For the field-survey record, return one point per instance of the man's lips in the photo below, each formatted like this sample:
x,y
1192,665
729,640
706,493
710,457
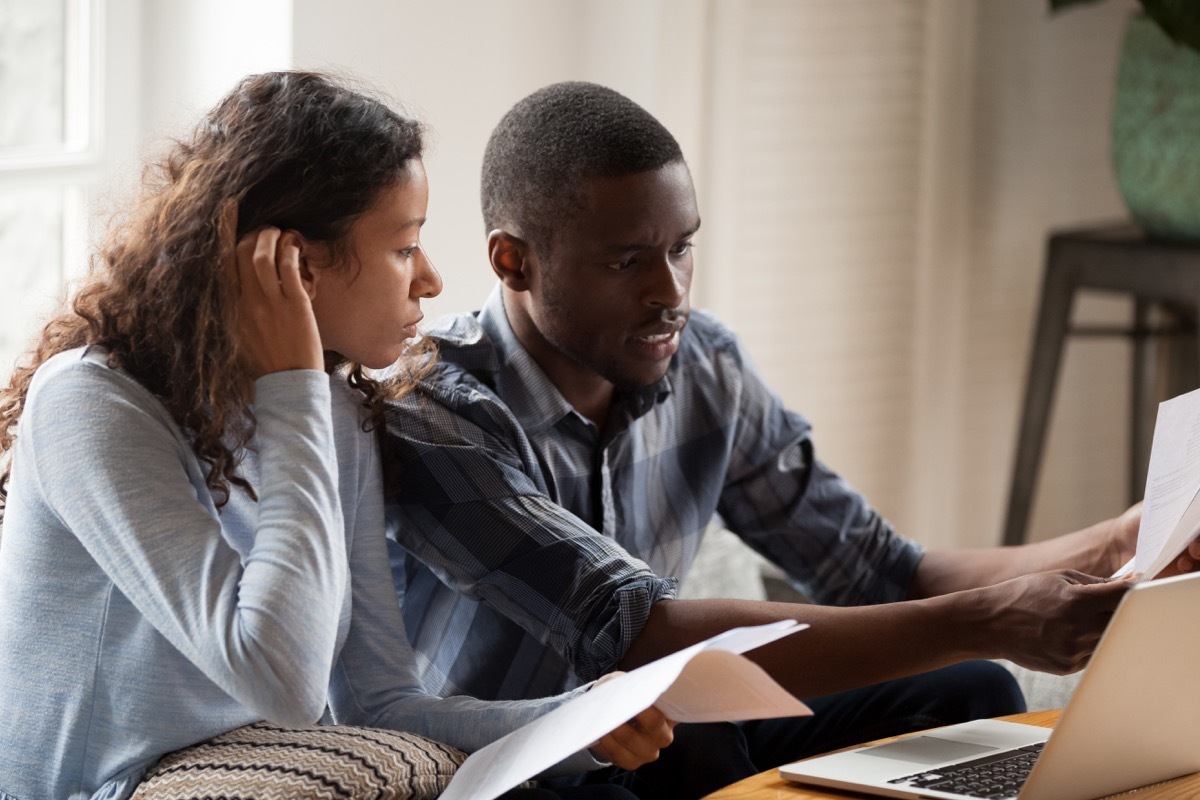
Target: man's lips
x,y
660,331
656,338
658,342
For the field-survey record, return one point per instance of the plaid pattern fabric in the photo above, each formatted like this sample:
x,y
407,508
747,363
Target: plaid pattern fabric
x,y
528,549
267,762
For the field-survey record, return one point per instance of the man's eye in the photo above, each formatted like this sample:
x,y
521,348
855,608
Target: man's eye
x,y
619,266
681,248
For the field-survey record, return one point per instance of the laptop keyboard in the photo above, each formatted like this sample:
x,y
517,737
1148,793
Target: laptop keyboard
x,y
996,776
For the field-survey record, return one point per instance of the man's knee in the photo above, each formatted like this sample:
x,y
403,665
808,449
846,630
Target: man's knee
x,y
703,758
977,689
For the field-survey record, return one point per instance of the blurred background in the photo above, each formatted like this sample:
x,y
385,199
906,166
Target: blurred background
x,y
877,180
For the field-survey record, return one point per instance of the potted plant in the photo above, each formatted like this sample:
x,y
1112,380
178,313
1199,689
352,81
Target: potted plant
x,y
1156,117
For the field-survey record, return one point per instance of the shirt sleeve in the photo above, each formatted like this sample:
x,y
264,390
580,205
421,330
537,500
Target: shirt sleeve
x,y
800,514
375,682
113,466
467,499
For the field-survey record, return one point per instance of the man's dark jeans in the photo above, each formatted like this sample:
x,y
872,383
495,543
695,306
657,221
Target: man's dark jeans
x,y
706,757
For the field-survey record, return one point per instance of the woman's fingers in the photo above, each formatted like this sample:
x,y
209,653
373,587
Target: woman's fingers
x,y
288,261
243,258
638,741
265,269
276,325
655,725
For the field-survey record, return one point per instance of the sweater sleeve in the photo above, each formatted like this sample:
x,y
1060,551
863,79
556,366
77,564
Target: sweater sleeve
x,y
375,680
113,466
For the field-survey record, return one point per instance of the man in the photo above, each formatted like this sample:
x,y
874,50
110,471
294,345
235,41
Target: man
x,y
557,469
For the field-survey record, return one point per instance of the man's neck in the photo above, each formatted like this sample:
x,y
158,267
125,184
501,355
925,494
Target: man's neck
x,y
595,409
587,392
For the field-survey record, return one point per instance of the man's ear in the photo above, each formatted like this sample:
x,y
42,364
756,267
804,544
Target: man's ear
x,y
510,257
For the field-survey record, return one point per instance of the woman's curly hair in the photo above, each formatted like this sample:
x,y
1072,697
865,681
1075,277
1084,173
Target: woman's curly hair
x,y
295,150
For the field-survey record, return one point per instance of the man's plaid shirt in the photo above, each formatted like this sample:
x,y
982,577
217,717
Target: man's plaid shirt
x,y
528,549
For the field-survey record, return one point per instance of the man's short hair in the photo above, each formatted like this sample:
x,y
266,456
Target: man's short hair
x,y
546,143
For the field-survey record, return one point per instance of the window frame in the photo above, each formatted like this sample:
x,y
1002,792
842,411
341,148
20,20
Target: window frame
x,y
83,102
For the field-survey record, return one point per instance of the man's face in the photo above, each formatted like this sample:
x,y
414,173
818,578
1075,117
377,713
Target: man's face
x,y
610,295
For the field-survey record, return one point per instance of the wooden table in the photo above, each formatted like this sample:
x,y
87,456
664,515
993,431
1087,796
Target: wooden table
x,y
769,786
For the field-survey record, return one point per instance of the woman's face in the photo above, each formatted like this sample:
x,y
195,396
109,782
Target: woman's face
x,y
366,310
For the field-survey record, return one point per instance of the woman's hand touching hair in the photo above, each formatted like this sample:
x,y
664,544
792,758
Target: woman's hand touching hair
x,y
276,329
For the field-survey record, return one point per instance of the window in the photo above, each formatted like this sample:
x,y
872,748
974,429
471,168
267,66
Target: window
x,y
49,149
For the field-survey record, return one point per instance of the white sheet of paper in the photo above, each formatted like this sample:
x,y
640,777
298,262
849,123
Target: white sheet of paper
x,y
707,682
1171,511
1184,531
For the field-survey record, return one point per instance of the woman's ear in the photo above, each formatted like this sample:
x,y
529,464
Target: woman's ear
x,y
308,254
511,259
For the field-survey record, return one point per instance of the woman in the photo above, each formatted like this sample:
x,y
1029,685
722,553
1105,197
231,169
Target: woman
x,y
192,512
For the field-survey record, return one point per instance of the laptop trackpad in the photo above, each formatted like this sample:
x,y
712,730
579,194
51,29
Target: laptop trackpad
x,y
927,750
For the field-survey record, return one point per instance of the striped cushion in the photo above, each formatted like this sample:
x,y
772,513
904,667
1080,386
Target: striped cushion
x,y
264,762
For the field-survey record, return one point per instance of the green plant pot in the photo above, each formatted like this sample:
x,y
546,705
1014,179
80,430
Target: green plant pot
x,y
1156,132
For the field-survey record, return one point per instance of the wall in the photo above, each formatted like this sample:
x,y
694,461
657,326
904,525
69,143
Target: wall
x,y
196,51
815,215
461,64
1040,160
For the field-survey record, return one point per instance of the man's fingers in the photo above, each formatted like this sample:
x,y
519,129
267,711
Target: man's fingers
x,y
1083,578
1105,594
1096,586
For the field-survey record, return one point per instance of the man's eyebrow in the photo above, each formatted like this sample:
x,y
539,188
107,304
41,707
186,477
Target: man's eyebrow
x,y
632,246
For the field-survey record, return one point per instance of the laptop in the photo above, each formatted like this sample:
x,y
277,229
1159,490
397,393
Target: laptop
x,y
1133,720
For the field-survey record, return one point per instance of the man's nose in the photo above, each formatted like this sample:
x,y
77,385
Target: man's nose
x,y
667,284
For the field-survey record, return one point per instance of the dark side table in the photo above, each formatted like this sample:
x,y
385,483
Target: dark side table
x,y
1157,275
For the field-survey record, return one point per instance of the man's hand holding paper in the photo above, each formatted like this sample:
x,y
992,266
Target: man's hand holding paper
x,y
1167,536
